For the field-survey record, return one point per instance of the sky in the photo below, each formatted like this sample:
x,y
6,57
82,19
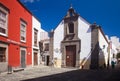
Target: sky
x,y
105,13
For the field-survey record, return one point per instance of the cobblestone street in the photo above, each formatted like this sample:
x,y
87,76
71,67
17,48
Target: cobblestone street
x,y
32,72
45,73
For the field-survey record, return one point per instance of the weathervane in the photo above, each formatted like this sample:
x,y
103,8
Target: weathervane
x,y
71,5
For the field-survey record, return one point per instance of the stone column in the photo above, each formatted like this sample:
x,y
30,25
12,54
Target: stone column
x,y
63,55
51,35
78,49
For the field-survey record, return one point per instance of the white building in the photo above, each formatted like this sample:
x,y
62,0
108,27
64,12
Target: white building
x,y
77,43
103,48
36,27
44,46
116,41
44,35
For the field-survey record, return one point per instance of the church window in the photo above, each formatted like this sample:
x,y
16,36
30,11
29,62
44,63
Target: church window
x,y
71,28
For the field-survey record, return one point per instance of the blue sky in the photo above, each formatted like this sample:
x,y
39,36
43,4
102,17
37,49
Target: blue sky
x,y
105,13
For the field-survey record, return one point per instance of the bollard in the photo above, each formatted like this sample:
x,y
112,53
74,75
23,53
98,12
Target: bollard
x,y
9,69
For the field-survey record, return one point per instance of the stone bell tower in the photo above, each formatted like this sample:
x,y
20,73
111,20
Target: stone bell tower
x,y
70,45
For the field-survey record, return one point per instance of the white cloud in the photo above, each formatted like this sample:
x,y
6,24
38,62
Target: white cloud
x,y
31,1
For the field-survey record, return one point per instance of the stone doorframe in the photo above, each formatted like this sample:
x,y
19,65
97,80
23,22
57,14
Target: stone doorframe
x,y
4,65
63,50
35,61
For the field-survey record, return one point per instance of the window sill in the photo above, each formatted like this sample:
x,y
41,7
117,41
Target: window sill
x,y
70,36
35,46
22,41
4,35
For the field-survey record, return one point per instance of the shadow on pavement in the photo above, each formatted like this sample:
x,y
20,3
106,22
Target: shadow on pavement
x,y
82,75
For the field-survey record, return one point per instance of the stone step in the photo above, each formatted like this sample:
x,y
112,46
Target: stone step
x,y
18,69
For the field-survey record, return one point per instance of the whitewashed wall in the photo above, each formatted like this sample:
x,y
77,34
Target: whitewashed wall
x,y
114,49
115,41
43,35
58,37
37,25
84,33
103,42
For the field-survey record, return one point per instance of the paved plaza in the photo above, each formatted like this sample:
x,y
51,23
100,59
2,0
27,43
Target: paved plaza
x,y
47,73
33,72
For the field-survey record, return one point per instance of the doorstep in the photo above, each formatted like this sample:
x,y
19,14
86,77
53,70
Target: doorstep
x,y
18,69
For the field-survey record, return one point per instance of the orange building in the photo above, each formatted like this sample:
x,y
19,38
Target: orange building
x,y
15,35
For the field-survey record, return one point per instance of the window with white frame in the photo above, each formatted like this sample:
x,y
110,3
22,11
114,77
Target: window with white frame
x,y
35,37
3,21
22,31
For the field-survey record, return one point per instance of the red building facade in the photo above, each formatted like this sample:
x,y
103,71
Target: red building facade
x,y
15,35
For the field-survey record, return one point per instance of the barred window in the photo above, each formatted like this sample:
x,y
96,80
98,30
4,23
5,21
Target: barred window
x,y
46,47
2,54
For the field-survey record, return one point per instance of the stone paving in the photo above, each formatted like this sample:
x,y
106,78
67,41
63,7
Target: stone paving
x,y
33,72
45,73
82,75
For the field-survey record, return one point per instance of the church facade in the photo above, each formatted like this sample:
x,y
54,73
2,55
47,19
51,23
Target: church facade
x,y
77,43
